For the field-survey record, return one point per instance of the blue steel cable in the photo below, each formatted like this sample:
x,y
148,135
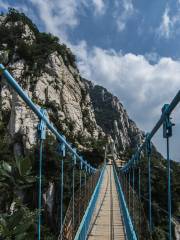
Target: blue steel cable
x,y
40,189
62,188
80,175
91,183
139,195
129,195
167,132
133,192
85,182
169,191
149,184
148,149
126,183
41,131
139,183
62,151
74,165
73,197
127,186
85,228
80,181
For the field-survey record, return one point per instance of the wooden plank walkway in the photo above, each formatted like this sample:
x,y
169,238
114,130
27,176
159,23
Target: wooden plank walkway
x,y
107,221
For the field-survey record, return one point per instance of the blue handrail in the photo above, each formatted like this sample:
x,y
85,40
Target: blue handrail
x,y
84,226
130,232
168,111
164,121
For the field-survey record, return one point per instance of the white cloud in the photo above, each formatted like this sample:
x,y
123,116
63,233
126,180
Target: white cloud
x,y
143,87
170,23
57,16
99,6
5,6
61,16
124,10
166,24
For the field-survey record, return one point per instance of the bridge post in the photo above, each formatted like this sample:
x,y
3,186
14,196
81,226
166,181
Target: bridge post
x,y
167,133
86,193
73,199
80,193
148,149
41,131
133,188
129,190
62,152
139,195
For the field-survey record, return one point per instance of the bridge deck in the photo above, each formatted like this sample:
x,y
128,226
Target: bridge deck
x,y
107,221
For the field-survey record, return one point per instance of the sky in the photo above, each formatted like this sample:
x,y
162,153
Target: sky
x,y
131,47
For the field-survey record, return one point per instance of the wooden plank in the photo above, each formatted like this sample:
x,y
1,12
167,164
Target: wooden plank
x,y
107,219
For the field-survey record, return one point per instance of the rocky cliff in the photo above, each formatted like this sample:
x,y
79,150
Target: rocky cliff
x,y
79,109
88,115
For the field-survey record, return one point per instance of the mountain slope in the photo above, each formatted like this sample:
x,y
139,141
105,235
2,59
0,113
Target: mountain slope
x,y
88,115
53,81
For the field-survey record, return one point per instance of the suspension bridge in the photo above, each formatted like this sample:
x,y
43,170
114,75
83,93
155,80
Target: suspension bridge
x,y
108,201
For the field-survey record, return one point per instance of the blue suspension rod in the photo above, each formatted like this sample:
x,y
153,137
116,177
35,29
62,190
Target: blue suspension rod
x,y
139,183
129,195
40,189
169,191
80,193
37,111
73,217
133,178
149,189
139,195
62,188
148,149
41,131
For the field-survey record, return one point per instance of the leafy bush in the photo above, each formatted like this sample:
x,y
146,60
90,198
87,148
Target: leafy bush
x,y
9,229
37,53
15,16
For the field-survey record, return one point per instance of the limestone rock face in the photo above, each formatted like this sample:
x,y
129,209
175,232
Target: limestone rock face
x,y
63,95
22,125
113,118
75,106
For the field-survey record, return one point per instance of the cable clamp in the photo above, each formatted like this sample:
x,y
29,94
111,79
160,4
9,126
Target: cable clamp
x,y
41,128
167,124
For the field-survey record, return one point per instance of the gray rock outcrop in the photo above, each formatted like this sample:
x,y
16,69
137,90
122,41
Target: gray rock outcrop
x,y
75,106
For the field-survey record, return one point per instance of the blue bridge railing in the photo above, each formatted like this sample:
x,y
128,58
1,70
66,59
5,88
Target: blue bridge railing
x,y
84,226
128,178
63,147
132,169
128,224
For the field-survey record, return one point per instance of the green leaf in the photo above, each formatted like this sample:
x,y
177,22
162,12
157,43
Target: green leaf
x,y
22,228
30,179
23,165
4,173
7,167
14,219
21,236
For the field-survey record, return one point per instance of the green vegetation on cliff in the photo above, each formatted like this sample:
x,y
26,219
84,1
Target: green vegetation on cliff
x,y
36,49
